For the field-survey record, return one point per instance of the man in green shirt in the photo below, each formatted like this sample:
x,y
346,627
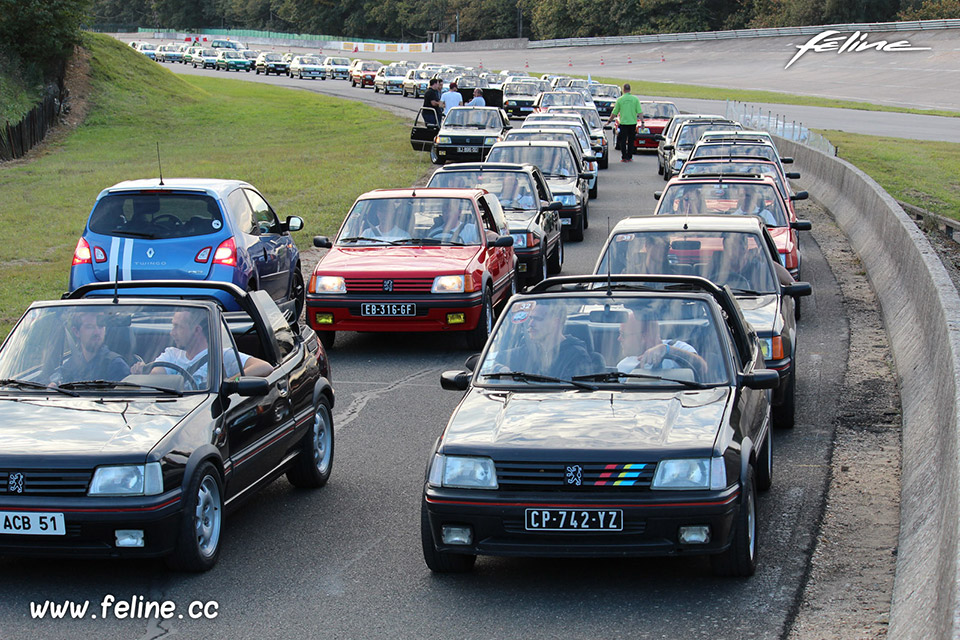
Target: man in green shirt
x,y
628,107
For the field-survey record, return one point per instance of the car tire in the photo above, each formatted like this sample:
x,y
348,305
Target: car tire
x,y
586,213
376,89
541,272
198,541
659,167
477,337
576,233
765,464
785,414
313,466
604,162
434,158
740,559
440,561
592,194
258,71
796,305
298,292
555,263
327,338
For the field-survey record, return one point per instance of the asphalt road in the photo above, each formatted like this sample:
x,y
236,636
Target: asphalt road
x,y
345,561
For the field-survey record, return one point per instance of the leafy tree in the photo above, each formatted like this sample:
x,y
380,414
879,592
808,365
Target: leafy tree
x,y
41,32
932,10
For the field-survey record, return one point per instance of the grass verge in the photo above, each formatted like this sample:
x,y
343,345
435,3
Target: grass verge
x,y
309,155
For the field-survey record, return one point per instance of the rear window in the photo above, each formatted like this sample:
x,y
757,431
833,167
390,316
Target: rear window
x,y
156,216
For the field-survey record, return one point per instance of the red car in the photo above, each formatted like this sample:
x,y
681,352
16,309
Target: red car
x,y
415,260
746,195
363,72
745,166
656,115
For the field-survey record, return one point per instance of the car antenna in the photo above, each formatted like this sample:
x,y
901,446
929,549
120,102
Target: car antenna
x,y
116,286
609,277
159,166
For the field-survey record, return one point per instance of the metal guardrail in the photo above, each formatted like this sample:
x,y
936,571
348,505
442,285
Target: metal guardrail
x,y
912,25
755,117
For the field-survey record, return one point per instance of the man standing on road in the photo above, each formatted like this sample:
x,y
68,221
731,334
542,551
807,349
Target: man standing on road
x,y
451,98
628,107
478,100
431,99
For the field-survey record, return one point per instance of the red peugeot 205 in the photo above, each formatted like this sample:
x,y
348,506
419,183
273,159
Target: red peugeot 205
x,y
415,260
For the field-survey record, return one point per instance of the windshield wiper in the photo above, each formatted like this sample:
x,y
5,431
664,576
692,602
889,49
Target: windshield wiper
x,y
747,292
614,376
136,234
111,384
28,384
366,239
522,376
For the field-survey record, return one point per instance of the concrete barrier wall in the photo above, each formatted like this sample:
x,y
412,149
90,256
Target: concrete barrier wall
x,y
481,45
921,311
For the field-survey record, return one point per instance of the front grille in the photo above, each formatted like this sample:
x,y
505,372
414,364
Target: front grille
x,y
45,482
467,140
560,476
398,285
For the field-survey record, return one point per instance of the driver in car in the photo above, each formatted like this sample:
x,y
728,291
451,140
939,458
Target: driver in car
x,y
643,348
189,353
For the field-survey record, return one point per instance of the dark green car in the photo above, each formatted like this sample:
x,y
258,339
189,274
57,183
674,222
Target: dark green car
x,y
230,60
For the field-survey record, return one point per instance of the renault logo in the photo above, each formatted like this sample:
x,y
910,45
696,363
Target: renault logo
x,y
15,483
150,252
388,285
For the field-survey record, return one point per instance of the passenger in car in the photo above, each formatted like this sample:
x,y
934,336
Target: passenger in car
x,y
548,351
91,359
390,222
690,201
455,225
653,257
643,349
750,203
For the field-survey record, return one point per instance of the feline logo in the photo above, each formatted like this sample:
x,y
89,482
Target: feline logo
x,y
856,42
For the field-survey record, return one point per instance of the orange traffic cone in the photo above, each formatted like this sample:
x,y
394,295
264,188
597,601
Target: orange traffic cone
x,y
629,61
569,62
526,64
601,61
662,59
481,64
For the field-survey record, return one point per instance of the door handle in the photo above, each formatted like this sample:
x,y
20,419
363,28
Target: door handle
x,y
283,389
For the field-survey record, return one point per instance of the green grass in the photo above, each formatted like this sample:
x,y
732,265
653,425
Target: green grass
x,y
17,96
309,155
922,173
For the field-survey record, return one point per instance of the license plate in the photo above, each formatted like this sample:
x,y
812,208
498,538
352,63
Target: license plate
x,y
468,149
32,524
574,520
566,220
388,309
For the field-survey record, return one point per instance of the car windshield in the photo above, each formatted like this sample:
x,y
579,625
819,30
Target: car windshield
x,y
273,57
700,167
395,71
690,132
521,88
605,340
146,46
309,60
231,54
537,134
733,258
724,197
156,216
659,109
553,161
589,114
417,221
582,137
472,117
605,91
736,149
561,98
515,189
100,348
209,53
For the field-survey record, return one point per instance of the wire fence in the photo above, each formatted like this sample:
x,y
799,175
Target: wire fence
x,y
756,117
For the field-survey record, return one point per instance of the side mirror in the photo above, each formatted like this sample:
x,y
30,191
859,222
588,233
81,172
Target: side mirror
x,y
589,158
322,242
793,175
472,361
607,127
552,206
247,386
797,289
294,223
657,195
596,147
502,241
455,380
668,147
658,137
786,160
800,195
585,176
761,379
801,225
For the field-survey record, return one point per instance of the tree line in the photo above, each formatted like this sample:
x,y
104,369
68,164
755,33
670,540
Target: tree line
x,y
413,20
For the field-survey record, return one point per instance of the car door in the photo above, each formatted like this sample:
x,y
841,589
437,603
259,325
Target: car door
x,y
500,259
549,218
272,252
425,128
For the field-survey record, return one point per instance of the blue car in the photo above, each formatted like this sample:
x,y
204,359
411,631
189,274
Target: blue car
x,y
190,229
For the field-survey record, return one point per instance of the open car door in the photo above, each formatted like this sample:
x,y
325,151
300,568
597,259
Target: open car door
x,y
425,128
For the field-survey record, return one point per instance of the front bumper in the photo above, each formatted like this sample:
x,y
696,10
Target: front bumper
x,y
651,521
312,73
91,524
569,216
784,369
519,109
462,153
432,312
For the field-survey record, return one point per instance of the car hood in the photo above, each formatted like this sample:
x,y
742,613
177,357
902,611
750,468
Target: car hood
x,y
525,425
81,427
763,312
520,219
387,259
563,185
470,131
783,238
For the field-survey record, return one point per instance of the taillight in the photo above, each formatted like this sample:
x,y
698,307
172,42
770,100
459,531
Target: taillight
x,y
226,253
81,255
203,255
99,254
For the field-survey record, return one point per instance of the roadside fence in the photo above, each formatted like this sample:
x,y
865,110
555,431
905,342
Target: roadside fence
x,y
755,117
17,139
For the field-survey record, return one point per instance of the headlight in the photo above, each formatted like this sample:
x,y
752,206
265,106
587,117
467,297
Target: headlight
x,y
127,480
463,472
772,348
447,284
328,284
509,103
519,240
695,473
443,140
489,142
566,199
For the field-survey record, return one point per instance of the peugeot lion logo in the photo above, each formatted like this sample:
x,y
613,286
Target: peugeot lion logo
x,y
15,483
150,252
388,285
574,474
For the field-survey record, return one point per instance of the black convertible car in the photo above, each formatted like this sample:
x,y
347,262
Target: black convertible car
x,y
607,416
130,421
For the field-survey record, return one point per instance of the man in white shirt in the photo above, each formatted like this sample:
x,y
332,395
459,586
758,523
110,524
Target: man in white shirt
x,y
478,100
451,99
640,335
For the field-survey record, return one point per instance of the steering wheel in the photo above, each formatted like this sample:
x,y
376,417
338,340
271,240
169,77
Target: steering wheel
x,y
187,376
164,216
683,359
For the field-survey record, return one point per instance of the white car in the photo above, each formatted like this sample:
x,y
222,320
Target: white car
x,y
336,67
307,67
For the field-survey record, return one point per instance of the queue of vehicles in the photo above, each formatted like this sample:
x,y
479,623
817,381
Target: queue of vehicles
x,y
626,413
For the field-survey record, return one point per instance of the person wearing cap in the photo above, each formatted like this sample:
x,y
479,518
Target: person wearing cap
x,y
451,99
478,100
629,110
